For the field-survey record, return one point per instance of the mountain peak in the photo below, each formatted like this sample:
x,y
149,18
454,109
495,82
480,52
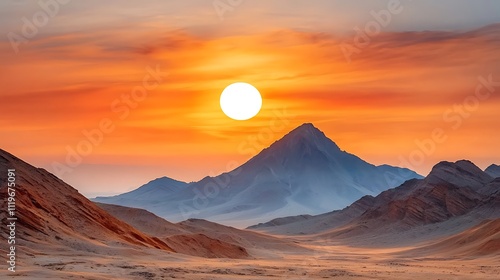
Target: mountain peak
x,y
306,129
493,170
307,126
460,173
461,164
309,135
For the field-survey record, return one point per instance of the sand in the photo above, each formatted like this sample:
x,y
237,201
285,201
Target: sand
x,y
323,262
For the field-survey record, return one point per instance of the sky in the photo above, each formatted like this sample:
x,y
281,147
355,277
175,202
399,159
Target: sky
x,y
109,95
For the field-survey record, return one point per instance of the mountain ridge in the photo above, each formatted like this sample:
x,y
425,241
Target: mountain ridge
x,y
471,196
73,219
304,172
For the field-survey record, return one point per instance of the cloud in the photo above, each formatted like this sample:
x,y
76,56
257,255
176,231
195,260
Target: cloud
x,y
396,88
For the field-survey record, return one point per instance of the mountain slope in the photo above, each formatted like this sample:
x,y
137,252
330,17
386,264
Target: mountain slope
x,y
53,213
202,230
302,173
143,220
480,240
451,193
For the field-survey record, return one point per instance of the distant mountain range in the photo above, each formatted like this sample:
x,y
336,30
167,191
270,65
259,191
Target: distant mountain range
x,y
303,173
455,210
452,198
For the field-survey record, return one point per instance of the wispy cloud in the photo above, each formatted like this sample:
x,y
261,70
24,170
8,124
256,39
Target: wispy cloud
x,y
397,88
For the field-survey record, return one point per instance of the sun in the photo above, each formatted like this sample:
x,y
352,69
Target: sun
x,y
240,101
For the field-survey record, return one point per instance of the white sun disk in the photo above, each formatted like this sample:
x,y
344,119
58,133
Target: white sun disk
x,y
240,101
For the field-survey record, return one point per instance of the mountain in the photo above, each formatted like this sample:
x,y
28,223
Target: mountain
x,y
303,173
51,213
493,170
453,197
155,191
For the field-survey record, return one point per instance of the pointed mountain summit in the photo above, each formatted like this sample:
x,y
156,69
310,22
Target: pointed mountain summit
x,y
304,142
302,173
307,134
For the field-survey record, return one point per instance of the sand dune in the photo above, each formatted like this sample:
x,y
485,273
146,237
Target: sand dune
x,y
151,224
144,220
181,240
204,246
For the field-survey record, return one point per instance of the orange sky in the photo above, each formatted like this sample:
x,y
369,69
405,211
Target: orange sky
x,y
396,91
